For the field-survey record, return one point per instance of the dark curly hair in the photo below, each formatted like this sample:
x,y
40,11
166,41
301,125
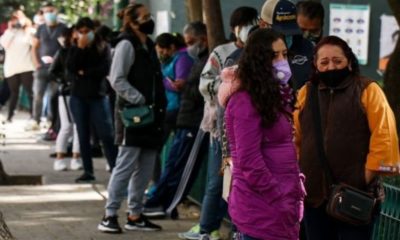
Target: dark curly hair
x,y
256,73
347,51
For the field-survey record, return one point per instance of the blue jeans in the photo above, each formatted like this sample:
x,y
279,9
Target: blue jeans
x,y
42,79
242,236
213,207
173,170
96,112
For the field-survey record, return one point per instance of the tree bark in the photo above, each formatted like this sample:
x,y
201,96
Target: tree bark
x,y
213,19
5,233
392,74
195,10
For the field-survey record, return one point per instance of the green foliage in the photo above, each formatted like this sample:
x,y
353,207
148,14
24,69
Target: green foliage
x,y
71,9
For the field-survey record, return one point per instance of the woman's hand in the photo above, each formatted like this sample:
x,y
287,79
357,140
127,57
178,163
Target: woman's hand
x,y
369,176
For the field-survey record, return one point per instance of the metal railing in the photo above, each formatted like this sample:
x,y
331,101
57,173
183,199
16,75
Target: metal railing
x,y
388,225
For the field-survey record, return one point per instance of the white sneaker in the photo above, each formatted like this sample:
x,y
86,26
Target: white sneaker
x,y
108,168
60,165
32,126
76,164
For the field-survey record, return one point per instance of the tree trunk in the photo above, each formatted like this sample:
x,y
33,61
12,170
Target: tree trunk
x,y
5,233
194,10
392,74
213,19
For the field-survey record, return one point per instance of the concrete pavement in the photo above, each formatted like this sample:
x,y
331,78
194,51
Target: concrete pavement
x,y
61,209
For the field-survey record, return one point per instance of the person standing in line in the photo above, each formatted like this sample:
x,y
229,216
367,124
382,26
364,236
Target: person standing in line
x,y
188,121
88,63
44,47
359,135
280,15
213,206
258,105
310,18
18,65
137,79
67,126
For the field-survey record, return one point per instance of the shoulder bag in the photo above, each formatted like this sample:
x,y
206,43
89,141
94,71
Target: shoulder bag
x,y
139,116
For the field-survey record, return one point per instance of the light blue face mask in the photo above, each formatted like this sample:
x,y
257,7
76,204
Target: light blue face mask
x,y
90,36
50,18
289,41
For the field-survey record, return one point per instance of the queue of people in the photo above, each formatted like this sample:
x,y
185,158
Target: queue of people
x,y
284,108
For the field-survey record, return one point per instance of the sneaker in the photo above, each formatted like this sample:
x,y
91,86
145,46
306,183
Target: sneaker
x,y
85,178
32,126
154,212
60,165
108,168
214,235
141,224
109,225
205,237
194,234
50,135
76,164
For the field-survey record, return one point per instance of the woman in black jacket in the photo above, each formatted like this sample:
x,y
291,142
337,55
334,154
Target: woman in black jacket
x,y
88,62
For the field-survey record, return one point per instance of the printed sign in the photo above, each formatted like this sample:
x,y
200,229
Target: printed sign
x,y
351,23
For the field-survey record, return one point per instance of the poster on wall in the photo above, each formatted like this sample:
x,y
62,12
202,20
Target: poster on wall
x,y
389,35
351,23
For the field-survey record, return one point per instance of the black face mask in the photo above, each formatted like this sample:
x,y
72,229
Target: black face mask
x,y
147,27
333,78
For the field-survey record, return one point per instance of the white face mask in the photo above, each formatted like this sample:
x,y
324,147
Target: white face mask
x,y
244,33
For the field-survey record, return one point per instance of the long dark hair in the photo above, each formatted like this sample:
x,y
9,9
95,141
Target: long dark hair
x,y
256,73
348,53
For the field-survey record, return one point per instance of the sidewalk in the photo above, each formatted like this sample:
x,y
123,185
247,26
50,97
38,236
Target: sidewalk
x,y
61,209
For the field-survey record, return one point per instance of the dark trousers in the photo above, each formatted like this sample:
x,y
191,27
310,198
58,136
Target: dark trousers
x,y
96,112
14,83
174,166
168,128
320,226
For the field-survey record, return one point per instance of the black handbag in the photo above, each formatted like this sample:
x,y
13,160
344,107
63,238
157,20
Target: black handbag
x,y
345,203
139,116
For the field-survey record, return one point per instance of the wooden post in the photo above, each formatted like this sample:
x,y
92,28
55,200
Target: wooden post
x,y
213,19
194,10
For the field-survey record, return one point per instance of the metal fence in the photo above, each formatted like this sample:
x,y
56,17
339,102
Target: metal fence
x,y
388,225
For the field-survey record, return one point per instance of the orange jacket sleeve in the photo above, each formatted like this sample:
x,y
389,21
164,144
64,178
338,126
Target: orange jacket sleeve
x,y
301,99
383,155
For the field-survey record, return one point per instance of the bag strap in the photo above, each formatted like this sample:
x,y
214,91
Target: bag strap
x,y
316,112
